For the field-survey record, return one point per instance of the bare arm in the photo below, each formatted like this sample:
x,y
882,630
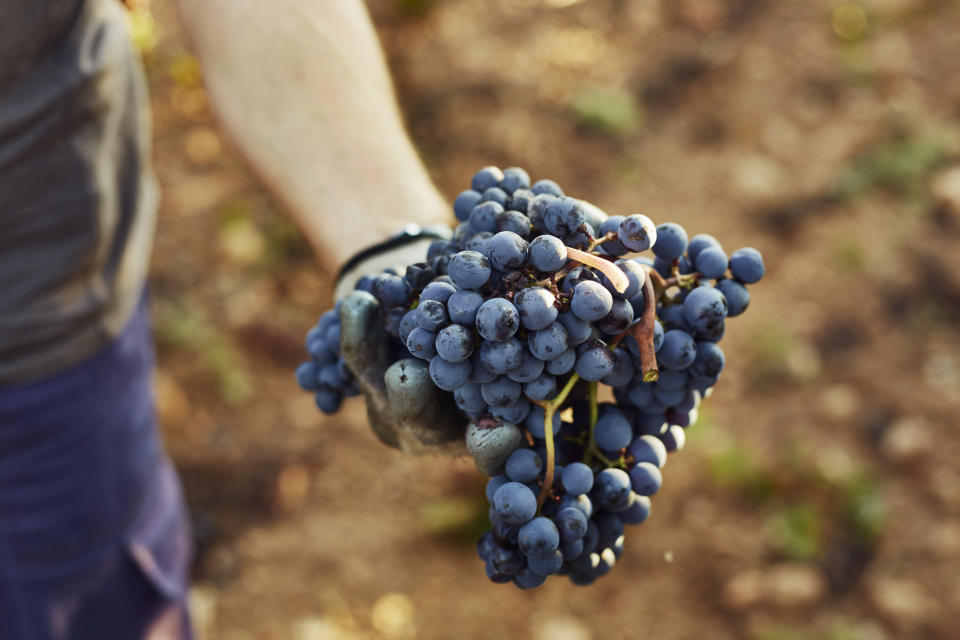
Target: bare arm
x,y
304,91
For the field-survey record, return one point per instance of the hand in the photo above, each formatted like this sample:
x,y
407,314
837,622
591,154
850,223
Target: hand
x,y
406,410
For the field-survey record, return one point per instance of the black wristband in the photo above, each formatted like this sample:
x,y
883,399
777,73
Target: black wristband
x,y
408,235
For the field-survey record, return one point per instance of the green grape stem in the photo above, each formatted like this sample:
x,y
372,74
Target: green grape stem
x,y
550,407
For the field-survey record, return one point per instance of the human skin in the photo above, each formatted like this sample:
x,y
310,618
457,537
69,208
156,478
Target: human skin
x,y
304,92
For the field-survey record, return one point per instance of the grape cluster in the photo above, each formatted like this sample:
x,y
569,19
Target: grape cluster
x,y
531,303
326,373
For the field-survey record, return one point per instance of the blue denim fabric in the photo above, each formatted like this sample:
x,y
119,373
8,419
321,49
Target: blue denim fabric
x,y
94,536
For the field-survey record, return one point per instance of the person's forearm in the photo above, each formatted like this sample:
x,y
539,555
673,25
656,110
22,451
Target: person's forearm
x,y
303,89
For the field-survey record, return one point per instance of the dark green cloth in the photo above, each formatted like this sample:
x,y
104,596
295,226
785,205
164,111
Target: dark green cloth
x,y
77,196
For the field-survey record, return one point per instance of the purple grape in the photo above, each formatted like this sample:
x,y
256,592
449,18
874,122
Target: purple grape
x,y
486,178
711,262
547,253
671,241
591,301
746,265
464,202
536,307
637,233
497,319
469,269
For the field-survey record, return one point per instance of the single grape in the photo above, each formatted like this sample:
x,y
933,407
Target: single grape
x,y
704,308
571,550
483,217
577,478
454,343
671,241
469,398
507,250
437,290
564,216
390,290
432,315
469,269
563,363
464,202
678,351
437,249
610,487
486,545
645,478
636,276
541,388
307,376
638,511
536,307
547,566
479,242
591,301
496,194
421,343
594,360
514,413
548,343
515,503
623,370
547,253
669,397
746,265
637,232
709,361
571,524
736,295
711,262
418,275
529,370
501,357
520,200
516,222
539,538
501,392
497,319
462,307
619,318
486,178
449,375
613,431
524,465
527,578
547,186
578,331
648,449
328,400
674,438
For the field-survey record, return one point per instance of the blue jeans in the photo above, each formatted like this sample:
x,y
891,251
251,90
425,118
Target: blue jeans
x,y
94,536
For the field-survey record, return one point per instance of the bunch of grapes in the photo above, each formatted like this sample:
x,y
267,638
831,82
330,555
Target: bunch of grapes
x,y
535,299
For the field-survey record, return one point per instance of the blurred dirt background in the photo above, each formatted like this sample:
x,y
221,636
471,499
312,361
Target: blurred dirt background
x,y
818,497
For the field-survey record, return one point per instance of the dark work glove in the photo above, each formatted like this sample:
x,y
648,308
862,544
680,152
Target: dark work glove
x,y
406,410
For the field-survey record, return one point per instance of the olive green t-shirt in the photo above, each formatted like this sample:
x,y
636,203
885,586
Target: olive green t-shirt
x,y
77,196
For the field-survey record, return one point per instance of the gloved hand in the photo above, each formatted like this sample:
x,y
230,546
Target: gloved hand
x,y
406,410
